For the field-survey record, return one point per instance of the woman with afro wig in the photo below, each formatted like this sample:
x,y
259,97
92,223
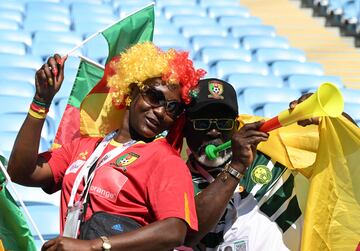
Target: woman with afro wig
x,y
128,190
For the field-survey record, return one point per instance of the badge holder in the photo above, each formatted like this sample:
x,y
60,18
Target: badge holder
x,y
73,219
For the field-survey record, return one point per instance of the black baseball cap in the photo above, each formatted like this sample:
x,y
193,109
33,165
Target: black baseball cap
x,y
213,91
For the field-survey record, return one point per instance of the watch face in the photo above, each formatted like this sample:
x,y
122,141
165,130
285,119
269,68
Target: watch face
x,y
106,246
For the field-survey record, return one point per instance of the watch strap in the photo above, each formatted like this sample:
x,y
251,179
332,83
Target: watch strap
x,y
232,171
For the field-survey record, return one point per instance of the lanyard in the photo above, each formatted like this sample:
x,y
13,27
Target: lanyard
x,y
84,172
204,173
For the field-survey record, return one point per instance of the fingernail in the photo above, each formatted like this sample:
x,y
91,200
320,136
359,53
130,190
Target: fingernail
x,y
55,71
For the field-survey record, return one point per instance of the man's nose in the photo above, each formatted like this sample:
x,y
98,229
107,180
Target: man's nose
x,y
213,132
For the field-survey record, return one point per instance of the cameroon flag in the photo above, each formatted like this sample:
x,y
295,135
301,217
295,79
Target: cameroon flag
x,y
138,27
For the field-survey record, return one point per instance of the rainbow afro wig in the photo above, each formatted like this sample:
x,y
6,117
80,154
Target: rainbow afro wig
x,y
144,61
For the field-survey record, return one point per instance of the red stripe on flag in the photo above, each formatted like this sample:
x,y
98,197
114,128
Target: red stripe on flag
x,y
69,126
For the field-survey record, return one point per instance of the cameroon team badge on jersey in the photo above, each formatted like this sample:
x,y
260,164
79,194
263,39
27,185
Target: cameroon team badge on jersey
x,y
216,89
261,174
126,159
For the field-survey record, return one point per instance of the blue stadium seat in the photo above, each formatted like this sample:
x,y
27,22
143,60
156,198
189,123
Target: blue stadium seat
x,y
12,5
46,49
11,15
16,88
249,30
62,37
171,41
287,68
305,83
17,73
269,55
171,11
59,110
211,55
16,36
48,16
22,61
14,104
65,89
256,97
271,110
103,19
166,29
256,42
37,25
126,10
200,64
85,29
244,109
84,9
47,7
139,3
351,95
229,21
165,3
35,194
72,62
195,30
219,11
353,109
97,48
182,20
242,81
199,42
6,24
227,67
16,48
83,1
209,3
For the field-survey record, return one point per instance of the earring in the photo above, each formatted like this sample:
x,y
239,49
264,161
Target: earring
x,y
127,101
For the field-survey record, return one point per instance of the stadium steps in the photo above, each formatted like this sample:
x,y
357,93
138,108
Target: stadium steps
x,y
321,44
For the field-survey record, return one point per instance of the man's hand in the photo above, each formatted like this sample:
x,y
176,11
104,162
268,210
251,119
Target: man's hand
x,y
305,122
244,143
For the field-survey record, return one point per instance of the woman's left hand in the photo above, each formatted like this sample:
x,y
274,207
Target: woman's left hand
x,y
70,244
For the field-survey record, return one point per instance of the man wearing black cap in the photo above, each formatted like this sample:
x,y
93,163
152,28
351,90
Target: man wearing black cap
x,y
232,188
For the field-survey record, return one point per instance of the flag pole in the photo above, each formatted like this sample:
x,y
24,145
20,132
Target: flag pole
x,y
103,29
7,176
91,62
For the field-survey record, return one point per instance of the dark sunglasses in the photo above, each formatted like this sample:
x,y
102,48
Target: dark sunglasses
x,y
205,124
156,98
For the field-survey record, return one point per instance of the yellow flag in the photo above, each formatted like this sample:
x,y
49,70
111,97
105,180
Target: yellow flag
x,y
332,217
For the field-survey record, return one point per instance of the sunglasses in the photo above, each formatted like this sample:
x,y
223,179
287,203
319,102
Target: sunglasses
x,y
205,124
156,98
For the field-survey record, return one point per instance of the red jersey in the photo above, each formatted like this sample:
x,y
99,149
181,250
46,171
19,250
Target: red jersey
x,y
147,182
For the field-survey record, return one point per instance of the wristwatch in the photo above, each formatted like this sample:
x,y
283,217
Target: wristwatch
x,y
233,172
106,243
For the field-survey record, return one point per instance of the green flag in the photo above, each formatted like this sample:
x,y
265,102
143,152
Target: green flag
x,y
138,27
14,231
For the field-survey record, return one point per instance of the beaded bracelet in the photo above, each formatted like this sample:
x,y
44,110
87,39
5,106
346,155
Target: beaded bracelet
x,y
38,109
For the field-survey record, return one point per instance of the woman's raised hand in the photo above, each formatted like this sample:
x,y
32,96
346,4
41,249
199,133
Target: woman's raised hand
x,y
48,79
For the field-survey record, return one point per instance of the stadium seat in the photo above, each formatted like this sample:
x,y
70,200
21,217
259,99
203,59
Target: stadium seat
x,y
72,62
11,15
209,3
86,29
244,109
17,73
166,29
37,25
17,88
202,41
84,9
139,3
224,68
269,55
271,110
195,30
229,21
256,97
6,24
82,1
287,68
46,49
351,95
62,37
171,41
249,30
171,11
22,61
97,48
16,48
182,20
126,10
256,42
16,36
242,81
353,109
165,3
200,64
48,16
305,83
12,5
211,55
47,7
219,11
